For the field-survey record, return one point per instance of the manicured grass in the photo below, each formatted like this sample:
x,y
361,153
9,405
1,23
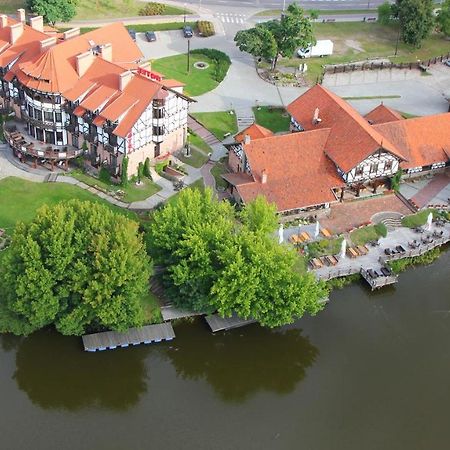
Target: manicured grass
x,y
217,170
198,81
99,9
20,199
150,305
367,234
197,158
324,247
325,12
133,193
11,6
219,123
418,219
274,119
357,41
198,142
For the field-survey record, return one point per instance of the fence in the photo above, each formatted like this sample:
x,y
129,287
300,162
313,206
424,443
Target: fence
x,y
381,65
335,273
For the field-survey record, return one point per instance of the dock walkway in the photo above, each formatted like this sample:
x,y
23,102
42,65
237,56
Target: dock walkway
x,y
170,312
110,340
217,323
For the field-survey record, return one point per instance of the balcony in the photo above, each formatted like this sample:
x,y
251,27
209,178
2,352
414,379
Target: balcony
x,y
40,123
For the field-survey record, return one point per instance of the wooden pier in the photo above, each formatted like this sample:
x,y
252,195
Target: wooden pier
x,y
170,312
217,323
109,340
378,279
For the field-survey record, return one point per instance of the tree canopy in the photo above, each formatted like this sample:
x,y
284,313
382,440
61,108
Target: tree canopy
x,y
53,10
76,266
385,13
443,18
280,37
415,18
217,263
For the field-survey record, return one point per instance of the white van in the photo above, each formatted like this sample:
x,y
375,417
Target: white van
x,y
322,48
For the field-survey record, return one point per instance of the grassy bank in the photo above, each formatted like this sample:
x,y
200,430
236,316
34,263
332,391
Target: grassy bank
x,y
272,118
197,158
20,199
218,123
400,265
367,234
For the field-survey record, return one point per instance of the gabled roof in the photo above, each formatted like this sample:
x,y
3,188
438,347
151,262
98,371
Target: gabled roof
x,y
352,139
423,140
382,114
298,172
254,131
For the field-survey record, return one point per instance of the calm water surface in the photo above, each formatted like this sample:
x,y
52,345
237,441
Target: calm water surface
x,y
370,372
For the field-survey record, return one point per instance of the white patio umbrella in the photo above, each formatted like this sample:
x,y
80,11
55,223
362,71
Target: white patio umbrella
x,y
317,230
280,234
343,249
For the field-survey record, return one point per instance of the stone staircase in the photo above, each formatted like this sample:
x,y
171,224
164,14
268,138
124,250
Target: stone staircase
x,y
245,117
392,220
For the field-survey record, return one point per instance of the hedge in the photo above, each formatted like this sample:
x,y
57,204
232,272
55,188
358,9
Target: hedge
x,y
222,61
206,28
152,9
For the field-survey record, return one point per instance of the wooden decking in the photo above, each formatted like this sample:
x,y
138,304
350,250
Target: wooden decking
x,y
110,340
377,279
170,312
217,323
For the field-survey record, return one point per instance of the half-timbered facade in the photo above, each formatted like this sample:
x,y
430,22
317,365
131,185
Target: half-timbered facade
x,y
89,92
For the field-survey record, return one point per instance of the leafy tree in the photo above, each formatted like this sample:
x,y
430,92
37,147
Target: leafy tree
x,y
124,172
416,20
76,266
443,18
313,14
260,216
281,37
385,13
146,170
215,263
53,10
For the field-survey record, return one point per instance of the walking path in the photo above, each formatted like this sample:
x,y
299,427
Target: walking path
x,y
430,191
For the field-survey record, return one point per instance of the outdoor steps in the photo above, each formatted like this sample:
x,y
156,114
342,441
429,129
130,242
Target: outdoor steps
x,y
201,131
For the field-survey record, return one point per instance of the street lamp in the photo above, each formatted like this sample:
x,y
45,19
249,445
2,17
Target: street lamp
x,y
284,5
185,13
188,56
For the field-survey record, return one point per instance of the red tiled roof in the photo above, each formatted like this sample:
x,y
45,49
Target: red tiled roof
x,y
99,121
352,139
98,97
423,140
79,111
298,172
117,107
382,114
254,131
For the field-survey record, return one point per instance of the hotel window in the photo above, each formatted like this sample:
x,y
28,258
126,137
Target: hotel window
x,y
59,136
30,111
48,116
359,171
58,117
374,168
38,114
388,165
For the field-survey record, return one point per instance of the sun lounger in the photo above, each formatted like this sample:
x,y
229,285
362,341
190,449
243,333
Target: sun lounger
x,y
325,232
400,249
362,250
385,271
352,252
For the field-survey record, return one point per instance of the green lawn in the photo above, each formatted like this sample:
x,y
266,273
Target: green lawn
x,y
217,170
99,9
133,193
324,247
272,118
150,305
198,142
367,234
357,41
418,219
21,199
198,81
219,123
197,158
11,6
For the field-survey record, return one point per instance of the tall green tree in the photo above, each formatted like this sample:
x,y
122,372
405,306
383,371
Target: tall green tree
x,y
416,20
443,18
385,13
216,262
281,37
53,10
77,265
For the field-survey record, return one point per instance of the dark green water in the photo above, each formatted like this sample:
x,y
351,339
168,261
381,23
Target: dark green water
x,y
370,372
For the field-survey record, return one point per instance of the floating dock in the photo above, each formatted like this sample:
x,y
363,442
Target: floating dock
x,y
217,323
109,340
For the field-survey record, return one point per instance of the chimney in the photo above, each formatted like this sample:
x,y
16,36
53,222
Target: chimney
x,y
37,23
264,176
106,52
47,43
71,33
84,61
3,21
316,118
124,79
15,32
21,15
247,139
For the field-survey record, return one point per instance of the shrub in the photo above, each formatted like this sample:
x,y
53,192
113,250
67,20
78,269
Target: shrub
x,y
152,9
160,166
206,28
395,180
140,172
221,60
124,173
146,171
104,175
381,229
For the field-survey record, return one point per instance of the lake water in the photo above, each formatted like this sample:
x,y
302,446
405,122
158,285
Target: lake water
x,y
372,371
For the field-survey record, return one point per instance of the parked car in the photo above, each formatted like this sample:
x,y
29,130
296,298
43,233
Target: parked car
x,y
187,31
447,63
132,34
150,36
